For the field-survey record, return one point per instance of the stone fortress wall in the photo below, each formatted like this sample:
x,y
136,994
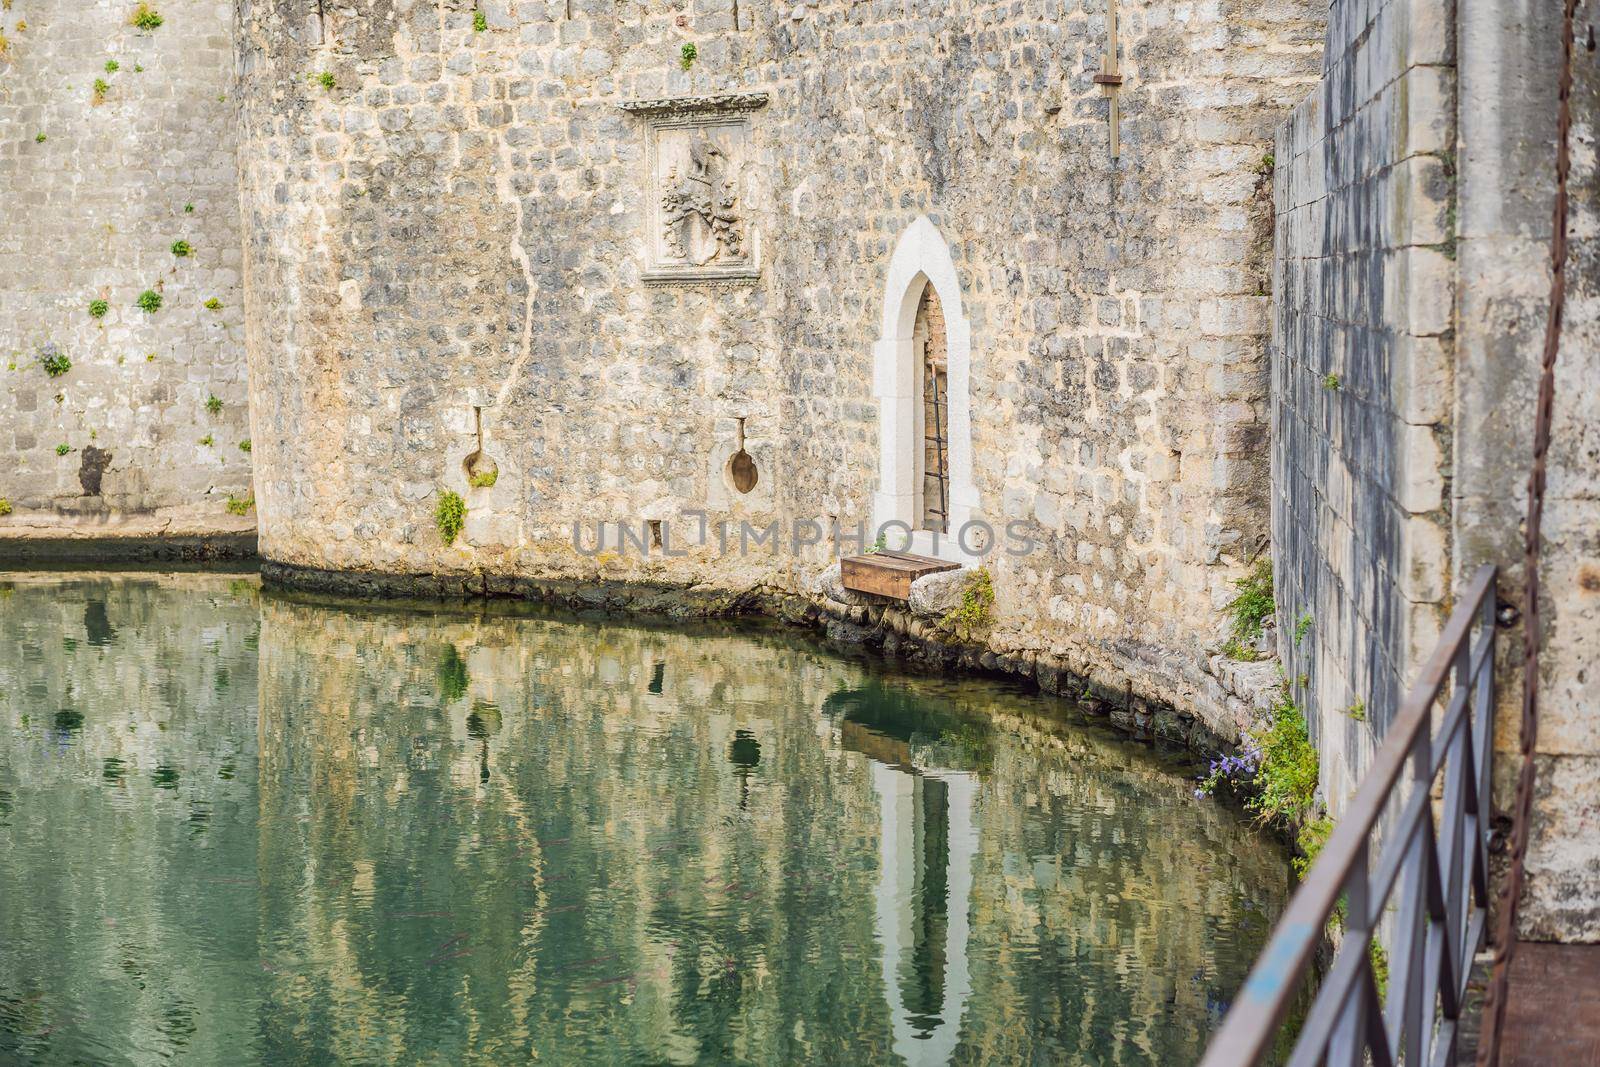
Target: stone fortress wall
x,y
98,187
458,255
1362,333
591,251
1414,193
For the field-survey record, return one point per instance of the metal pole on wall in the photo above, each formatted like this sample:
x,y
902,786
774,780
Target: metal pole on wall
x,y
1494,1012
1111,78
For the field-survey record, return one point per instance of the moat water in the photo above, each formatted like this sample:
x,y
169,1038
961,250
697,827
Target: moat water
x,y
240,828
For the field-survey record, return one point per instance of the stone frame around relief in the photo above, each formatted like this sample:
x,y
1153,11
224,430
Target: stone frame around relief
x,y
705,221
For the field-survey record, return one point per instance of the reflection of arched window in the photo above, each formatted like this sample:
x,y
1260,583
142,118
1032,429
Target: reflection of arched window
x,y
927,843
921,371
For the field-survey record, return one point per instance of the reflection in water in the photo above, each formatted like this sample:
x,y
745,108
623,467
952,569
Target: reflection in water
x,y
926,844
246,829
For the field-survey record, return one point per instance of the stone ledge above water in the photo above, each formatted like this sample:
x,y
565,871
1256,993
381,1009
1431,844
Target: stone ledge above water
x,y
915,633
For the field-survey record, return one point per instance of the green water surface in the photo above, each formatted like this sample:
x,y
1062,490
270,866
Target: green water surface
x,y
238,828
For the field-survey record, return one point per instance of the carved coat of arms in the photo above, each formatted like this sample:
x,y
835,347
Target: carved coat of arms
x,y
700,227
700,207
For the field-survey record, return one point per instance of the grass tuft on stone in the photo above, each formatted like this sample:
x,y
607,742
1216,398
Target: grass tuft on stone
x,y
53,360
145,17
977,604
1249,610
450,515
149,302
98,309
240,505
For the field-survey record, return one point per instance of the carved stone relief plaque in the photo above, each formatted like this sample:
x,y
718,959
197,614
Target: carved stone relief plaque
x,y
699,224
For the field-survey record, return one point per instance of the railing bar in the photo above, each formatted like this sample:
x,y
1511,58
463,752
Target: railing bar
x,y
1349,1034
1247,1031
1444,1053
1451,816
1337,987
1450,973
1451,867
1482,649
1430,974
1435,890
1431,678
1407,826
1480,865
1405,1011
1475,928
1377,1041
1455,714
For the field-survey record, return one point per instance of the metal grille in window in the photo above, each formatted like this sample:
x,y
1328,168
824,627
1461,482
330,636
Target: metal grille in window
x,y
936,507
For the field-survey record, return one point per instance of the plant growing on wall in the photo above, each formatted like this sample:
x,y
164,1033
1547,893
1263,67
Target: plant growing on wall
x,y
977,602
1302,628
1330,381
484,479
145,17
149,301
325,79
1249,611
687,55
244,446
213,304
213,404
112,66
480,21
450,515
53,360
101,88
40,137
5,506
182,249
1277,768
238,506
208,440
98,309
63,448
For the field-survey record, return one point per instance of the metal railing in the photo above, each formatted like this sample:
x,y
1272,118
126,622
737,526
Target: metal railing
x,y
1434,860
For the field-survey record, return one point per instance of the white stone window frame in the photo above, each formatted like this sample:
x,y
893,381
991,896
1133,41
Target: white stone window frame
x,y
921,257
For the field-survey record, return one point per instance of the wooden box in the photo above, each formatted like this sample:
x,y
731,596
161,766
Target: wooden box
x,y
889,574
